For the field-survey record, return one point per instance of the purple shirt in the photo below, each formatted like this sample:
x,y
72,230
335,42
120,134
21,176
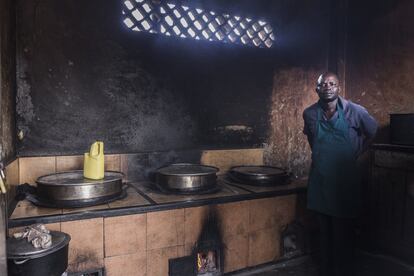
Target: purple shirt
x,y
362,126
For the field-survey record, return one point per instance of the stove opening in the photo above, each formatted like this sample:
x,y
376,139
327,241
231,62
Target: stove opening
x,y
207,252
293,240
206,257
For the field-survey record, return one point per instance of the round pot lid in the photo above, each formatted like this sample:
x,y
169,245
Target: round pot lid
x,y
76,178
21,248
258,170
185,169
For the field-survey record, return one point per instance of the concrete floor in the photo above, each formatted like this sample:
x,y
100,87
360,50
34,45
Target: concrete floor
x,y
367,265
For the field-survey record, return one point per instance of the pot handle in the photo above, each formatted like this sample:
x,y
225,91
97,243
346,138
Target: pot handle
x,y
20,262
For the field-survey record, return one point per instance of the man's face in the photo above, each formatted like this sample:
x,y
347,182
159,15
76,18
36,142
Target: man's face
x,y
327,88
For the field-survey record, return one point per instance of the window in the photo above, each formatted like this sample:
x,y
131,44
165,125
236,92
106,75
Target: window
x,y
186,22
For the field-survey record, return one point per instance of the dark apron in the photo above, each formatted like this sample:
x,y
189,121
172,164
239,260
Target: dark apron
x,y
334,183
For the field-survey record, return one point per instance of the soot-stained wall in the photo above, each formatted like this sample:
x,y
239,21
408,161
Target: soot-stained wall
x,y
7,81
380,58
82,75
305,55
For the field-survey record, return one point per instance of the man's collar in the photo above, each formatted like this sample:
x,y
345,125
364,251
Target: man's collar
x,y
343,103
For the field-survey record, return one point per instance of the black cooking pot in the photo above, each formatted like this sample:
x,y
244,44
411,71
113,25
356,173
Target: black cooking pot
x,y
259,175
24,259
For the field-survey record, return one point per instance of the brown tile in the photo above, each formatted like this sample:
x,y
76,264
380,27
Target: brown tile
x,y
271,212
180,226
49,226
69,163
126,265
234,218
25,209
263,213
132,199
112,162
54,226
83,209
32,167
165,229
182,251
125,235
287,209
264,246
12,173
236,252
12,179
157,260
193,223
86,245
225,159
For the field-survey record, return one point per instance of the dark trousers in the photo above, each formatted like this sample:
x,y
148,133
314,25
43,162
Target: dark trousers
x,y
336,246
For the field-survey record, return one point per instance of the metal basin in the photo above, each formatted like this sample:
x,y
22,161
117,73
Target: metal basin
x,y
70,187
185,177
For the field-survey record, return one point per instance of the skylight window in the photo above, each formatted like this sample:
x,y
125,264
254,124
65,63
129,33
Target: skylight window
x,y
195,23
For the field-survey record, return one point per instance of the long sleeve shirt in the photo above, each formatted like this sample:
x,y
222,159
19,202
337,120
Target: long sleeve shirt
x,y
362,126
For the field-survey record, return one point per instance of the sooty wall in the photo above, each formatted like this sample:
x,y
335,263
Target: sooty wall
x,y
380,58
7,81
306,52
83,75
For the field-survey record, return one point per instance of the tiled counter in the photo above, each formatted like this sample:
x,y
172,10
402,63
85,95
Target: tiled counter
x,y
138,234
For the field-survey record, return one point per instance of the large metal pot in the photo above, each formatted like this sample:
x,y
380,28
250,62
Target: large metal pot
x,y
24,259
402,129
186,178
67,189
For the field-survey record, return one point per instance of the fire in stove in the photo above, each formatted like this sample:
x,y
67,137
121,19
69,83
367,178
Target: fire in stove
x,y
206,262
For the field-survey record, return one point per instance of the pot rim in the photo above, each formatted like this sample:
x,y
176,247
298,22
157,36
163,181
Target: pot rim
x,y
213,171
87,182
282,172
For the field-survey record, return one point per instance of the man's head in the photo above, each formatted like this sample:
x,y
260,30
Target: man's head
x,y
327,87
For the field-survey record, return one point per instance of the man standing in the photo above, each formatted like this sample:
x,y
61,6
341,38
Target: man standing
x,y
338,132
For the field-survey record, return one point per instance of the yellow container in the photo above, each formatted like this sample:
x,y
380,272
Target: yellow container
x,y
94,163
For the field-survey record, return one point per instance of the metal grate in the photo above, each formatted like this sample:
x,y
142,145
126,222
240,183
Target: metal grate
x,y
186,22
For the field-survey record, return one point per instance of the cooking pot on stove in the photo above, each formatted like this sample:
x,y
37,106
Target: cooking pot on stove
x,y
185,177
24,259
71,189
259,175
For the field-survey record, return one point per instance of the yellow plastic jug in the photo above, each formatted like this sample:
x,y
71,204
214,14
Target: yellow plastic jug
x,y
94,163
